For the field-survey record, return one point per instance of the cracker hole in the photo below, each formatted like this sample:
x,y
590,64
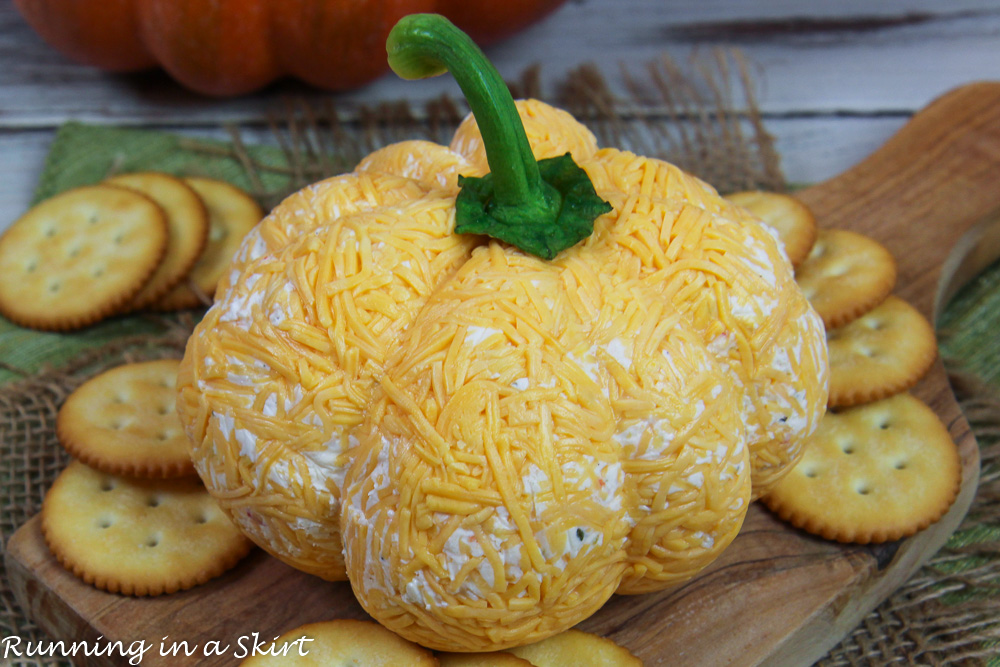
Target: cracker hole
x,y
55,287
31,265
50,232
119,238
901,464
107,485
153,501
152,541
201,518
92,219
104,522
863,489
97,272
884,424
875,325
163,436
810,472
163,410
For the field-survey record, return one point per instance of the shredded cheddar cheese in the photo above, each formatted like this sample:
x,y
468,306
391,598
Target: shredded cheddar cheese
x,y
551,131
489,445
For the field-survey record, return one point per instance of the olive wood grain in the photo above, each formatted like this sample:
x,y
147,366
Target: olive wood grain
x,y
777,596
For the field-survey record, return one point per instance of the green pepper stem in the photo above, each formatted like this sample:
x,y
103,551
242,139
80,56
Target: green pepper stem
x,y
425,45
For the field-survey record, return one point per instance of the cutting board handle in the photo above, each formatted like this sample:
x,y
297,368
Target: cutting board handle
x,y
924,191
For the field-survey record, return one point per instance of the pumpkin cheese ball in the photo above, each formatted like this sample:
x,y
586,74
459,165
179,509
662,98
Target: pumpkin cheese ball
x,y
490,437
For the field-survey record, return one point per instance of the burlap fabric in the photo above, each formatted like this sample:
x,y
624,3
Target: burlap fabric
x,y
702,117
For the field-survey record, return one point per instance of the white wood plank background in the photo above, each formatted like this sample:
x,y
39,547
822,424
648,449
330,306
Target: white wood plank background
x,y
834,79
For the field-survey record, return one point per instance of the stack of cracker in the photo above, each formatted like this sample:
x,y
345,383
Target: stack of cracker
x,y
139,241
881,465
129,515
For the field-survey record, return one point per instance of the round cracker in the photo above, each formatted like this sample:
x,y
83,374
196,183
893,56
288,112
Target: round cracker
x,y
231,214
885,351
873,473
187,222
845,275
124,421
138,537
79,256
790,218
342,642
575,647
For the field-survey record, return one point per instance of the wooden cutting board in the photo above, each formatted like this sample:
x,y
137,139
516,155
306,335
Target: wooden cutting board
x,y
777,596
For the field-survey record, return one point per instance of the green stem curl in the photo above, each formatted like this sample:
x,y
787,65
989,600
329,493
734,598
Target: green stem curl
x,y
426,45
542,207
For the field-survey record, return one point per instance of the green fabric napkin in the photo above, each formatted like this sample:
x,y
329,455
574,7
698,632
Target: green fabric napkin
x,y
84,154
969,324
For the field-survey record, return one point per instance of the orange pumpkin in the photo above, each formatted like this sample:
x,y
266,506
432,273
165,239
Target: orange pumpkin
x,y
231,47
